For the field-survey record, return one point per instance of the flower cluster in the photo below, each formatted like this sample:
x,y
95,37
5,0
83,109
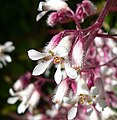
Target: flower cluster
x,y
85,63
6,48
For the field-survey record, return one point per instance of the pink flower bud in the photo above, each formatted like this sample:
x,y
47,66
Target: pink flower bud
x,y
77,53
90,8
22,82
85,9
52,19
54,42
61,92
81,13
58,17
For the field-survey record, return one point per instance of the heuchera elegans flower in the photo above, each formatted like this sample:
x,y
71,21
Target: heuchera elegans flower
x,y
6,48
51,5
58,56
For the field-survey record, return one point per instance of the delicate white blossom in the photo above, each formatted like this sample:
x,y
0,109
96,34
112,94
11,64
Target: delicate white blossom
x,y
6,48
58,56
51,5
23,95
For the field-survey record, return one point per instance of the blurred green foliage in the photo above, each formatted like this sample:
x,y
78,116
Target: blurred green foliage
x,y
18,24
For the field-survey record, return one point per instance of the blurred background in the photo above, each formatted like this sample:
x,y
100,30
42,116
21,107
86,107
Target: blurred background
x,y
18,24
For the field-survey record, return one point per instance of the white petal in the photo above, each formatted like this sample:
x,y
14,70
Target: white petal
x,y
72,73
11,92
35,55
99,84
8,46
55,5
40,68
95,115
61,51
82,87
89,110
72,113
12,100
108,112
94,91
66,100
100,104
40,15
58,75
37,117
40,7
57,106
8,58
22,107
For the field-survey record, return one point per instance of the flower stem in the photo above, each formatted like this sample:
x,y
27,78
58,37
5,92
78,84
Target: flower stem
x,y
104,12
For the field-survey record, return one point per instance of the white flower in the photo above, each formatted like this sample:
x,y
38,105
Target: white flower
x,y
95,95
58,56
51,5
6,48
23,95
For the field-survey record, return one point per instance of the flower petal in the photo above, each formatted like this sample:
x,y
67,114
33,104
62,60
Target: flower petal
x,y
8,46
12,100
61,51
72,73
89,110
8,43
40,68
35,55
58,74
94,91
11,92
82,87
99,84
22,107
72,113
100,104
8,58
40,15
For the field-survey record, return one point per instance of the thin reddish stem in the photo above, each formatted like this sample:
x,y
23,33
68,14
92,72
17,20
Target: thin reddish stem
x,y
104,12
96,66
107,36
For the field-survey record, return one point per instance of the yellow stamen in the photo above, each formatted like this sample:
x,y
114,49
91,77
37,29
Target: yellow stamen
x,y
57,60
52,53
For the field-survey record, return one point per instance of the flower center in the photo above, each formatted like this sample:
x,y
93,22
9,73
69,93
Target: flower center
x,y
85,99
77,68
57,60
